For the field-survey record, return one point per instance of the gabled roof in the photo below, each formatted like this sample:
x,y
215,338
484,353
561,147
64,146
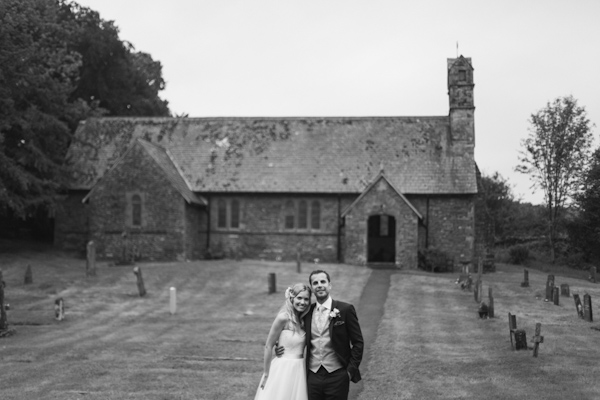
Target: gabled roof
x,y
162,158
380,176
283,155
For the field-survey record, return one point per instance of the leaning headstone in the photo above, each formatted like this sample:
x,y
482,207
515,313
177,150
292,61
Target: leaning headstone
x,y
512,328
525,282
549,287
59,309
140,281
271,281
555,296
564,290
587,308
578,305
537,339
90,267
28,275
3,319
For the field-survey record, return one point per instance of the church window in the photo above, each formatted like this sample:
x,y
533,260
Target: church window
x,y
222,214
235,214
290,215
462,75
315,215
228,214
302,215
136,210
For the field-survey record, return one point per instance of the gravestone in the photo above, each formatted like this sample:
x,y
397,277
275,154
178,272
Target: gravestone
x,y
564,290
593,274
491,303
172,300
537,339
28,275
587,308
137,271
512,327
271,281
476,292
525,282
555,296
578,305
3,319
59,309
90,266
298,264
549,288
484,310
520,339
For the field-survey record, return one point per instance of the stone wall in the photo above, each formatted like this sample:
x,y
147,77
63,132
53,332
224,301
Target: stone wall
x,y
262,233
161,235
195,232
450,223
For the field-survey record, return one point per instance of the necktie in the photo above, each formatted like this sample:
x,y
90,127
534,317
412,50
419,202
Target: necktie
x,y
321,317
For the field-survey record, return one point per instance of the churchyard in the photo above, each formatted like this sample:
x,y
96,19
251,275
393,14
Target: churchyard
x,y
431,343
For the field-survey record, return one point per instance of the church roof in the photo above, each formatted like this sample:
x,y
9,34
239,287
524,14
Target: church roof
x,y
162,159
303,155
371,186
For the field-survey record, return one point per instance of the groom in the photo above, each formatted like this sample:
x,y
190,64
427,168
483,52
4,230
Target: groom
x,y
334,343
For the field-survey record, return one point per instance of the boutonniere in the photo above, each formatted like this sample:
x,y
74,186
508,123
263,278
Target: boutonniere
x,y
334,313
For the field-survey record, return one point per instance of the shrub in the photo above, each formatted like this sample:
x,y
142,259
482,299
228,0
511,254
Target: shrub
x,y
518,254
435,260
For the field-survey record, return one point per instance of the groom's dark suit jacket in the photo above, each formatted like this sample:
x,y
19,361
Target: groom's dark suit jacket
x,y
346,337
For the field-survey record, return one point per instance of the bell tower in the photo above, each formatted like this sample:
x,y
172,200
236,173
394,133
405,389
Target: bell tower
x,y
462,107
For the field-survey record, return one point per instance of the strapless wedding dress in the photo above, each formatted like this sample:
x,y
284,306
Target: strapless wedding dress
x,y
287,375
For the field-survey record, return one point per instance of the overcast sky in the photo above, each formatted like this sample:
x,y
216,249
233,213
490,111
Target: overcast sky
x,y
372,58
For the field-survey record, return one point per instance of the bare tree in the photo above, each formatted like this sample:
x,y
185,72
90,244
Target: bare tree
x,y
555,156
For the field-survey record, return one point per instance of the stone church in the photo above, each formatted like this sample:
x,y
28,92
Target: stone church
x,y
357,190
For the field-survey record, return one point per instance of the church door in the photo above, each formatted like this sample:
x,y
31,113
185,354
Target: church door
x,y
381,240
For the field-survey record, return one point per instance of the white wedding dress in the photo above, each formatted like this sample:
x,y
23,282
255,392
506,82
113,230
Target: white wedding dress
x,y
287,374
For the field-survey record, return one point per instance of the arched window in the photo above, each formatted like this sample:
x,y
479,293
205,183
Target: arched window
x,y
302,215
235,214
136,210
222,214
290,215
315,215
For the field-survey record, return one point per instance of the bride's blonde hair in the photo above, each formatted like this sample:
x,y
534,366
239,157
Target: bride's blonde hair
x,y
295,320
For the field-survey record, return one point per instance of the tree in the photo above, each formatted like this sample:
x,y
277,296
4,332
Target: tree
x,y
37,75
499,200
60,63
555,154
112,74
584,228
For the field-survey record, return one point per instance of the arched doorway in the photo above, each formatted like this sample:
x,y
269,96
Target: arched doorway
x,y
381,239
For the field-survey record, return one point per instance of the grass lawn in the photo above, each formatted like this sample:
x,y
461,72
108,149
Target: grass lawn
x,y
115,345
430,344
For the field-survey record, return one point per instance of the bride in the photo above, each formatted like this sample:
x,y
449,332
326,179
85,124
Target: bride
x,y
285,377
